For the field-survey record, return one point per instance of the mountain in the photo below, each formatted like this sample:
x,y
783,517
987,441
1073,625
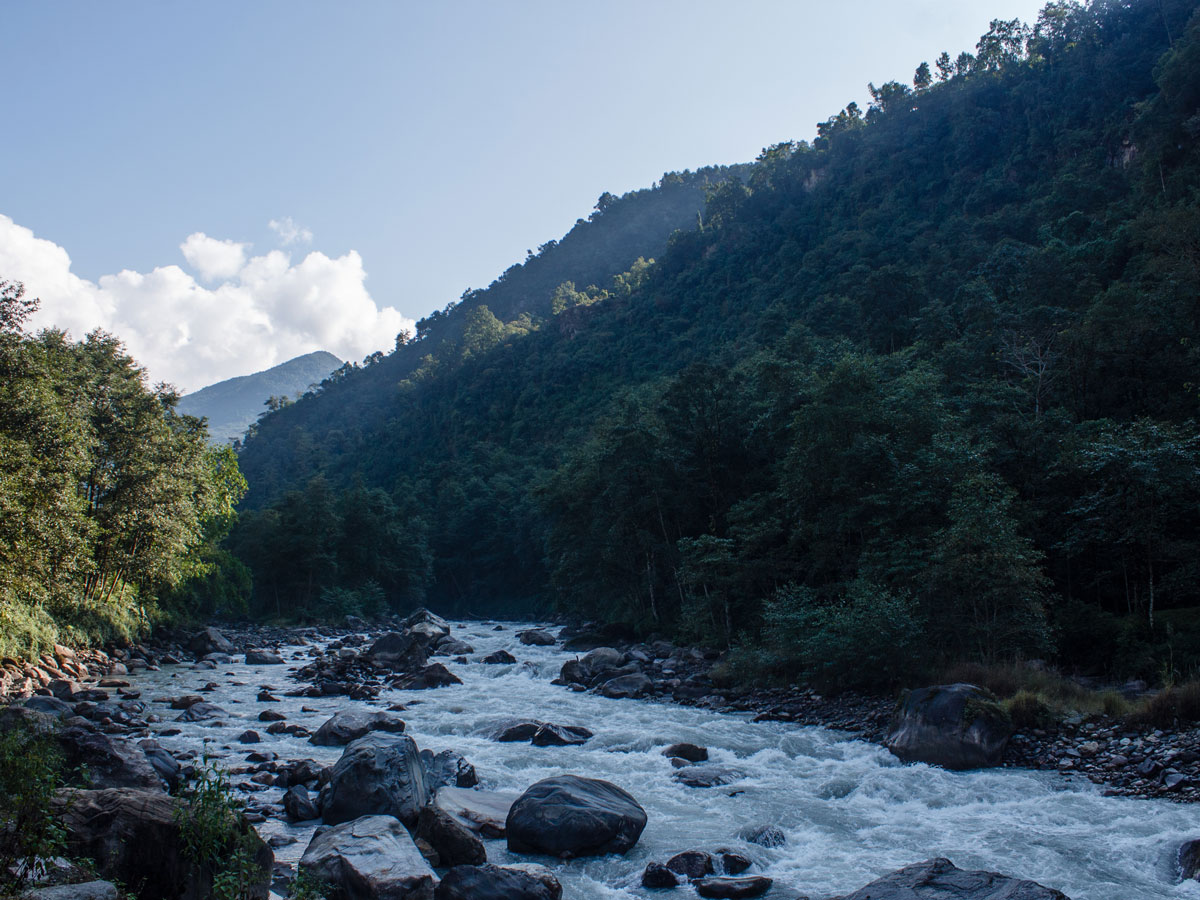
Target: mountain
x,y
233,405
920,391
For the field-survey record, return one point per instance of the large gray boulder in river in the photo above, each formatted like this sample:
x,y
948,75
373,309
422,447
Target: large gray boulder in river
x,y
488,882
395,650
956,726
351,724
379,774
371,858
940,879
569,816
135,837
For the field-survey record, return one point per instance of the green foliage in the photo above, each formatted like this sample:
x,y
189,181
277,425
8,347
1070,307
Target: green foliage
x,y
213,837
30,773
870,639
108,497
946,350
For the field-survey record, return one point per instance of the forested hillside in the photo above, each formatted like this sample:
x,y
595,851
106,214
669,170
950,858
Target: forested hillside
x,y
923,389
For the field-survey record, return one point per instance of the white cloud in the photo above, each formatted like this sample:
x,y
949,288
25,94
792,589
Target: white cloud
x,y
212,258
289,232
261,312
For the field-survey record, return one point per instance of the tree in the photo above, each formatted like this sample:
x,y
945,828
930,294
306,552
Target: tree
x,y
922,78
15,307
945,67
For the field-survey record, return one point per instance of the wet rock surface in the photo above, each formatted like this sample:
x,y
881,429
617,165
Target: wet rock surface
x,y
569,816
940,879
370,858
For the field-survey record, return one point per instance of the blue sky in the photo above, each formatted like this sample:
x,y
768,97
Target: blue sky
x,y
409,150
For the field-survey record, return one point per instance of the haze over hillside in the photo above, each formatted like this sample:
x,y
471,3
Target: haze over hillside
x,y
233,405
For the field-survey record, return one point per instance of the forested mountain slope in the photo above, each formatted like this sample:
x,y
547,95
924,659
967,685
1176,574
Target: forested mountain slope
x,y
926,385
233,405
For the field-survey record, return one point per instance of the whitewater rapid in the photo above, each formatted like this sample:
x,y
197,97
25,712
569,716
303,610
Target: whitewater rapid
x,y
850,810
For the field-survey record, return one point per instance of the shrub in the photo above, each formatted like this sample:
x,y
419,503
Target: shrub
x,y
214,838
30,772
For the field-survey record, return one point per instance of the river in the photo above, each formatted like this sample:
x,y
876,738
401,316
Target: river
x,y
851,811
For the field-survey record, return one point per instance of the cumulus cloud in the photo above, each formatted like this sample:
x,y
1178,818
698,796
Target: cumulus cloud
x,y
251,313
212,258
289,232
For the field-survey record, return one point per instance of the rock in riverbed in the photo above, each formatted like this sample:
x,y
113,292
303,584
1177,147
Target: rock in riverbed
x,y
379,774
940,879
370,858
956,726
488,882
351,724
569,816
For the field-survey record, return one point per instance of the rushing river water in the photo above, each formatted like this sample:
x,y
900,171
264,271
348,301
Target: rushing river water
x,y
850,810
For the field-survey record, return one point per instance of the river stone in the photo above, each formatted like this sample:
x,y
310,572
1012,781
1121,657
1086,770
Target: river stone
x,y
209,640
956,726
940,879
691,864
448,768
298,805
488,882
456,845
164,764
734,863
422,621
763,835
432,676
626,686
550,735
379,774
485,812
537,637
454,648
51,705
656,875
111,762
87,890
725,886
569,816
591,664
199,712
370,858
351,724
400,651
690,752
1188,860
263,658
133,836
500,657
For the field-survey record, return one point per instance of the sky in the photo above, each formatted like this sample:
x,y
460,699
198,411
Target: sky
x,y
229,184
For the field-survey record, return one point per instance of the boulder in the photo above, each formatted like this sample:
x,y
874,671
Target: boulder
x,y
164,764
209,640
500,657
488,882
370,858
691,864
657,876
626,686
537,637
200,712
400,651
447,768
691,752
298,805
956,726
591,664
263,658
456,845
569,816
734,863
51,705
111,762
379,774
550,735
351,724
87,890
432,676
725,886
452,647
763,835
423,622
134,837
1188,860
485,812
940,879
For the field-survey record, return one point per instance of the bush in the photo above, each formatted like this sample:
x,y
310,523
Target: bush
x,y
30,772
1177,705
871,639
214,837
1027,710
